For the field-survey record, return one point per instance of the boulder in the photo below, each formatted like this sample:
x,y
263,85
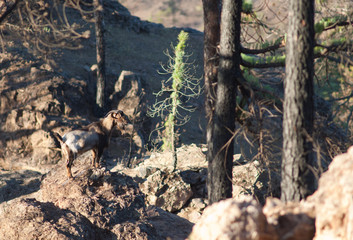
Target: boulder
x,y
31,219
292,220
233,219
127,92
166,190
333,200
190,157
44,148
129,96
194,210
168,225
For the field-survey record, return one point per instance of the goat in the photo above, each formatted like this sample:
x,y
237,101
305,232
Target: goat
x,y
95,137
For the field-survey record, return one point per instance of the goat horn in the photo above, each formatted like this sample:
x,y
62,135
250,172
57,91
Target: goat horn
x,y
113,111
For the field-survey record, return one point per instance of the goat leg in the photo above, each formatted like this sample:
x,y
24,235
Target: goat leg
x,y
69,157
94,155
69,174
69,165
97,158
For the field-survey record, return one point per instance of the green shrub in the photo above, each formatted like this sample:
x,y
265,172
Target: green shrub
x,y
173,98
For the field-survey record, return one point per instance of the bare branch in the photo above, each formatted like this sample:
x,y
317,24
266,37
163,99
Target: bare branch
x,y
279,61
338,24
263,50
263,63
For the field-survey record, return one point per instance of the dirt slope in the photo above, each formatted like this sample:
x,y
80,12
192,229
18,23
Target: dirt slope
x,y
170,13
56,92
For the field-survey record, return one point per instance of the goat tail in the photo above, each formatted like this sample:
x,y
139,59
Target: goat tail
x,y
59,138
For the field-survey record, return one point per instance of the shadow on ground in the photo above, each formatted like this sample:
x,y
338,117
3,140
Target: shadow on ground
x,y
18,183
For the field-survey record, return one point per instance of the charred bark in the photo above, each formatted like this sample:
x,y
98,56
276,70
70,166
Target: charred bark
x,y
220,161
298,180
212,16
100,51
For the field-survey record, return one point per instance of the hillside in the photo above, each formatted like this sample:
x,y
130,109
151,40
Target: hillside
x,y
180,13
42,93
48,93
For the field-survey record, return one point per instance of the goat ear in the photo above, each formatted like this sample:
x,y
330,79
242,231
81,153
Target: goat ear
x,y
120,113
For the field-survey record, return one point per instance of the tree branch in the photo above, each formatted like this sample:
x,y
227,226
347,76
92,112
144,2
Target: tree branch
x,y
336,46
338,24
279,61
256,62
323,25
329,23
263,50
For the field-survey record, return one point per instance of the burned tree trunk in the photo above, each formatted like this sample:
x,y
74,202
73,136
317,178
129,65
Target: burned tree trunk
x,y
220,157
100,51
212,16
298,180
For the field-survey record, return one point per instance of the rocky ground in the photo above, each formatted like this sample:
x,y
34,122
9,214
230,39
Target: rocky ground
x,y
327,214
42,94
97,204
